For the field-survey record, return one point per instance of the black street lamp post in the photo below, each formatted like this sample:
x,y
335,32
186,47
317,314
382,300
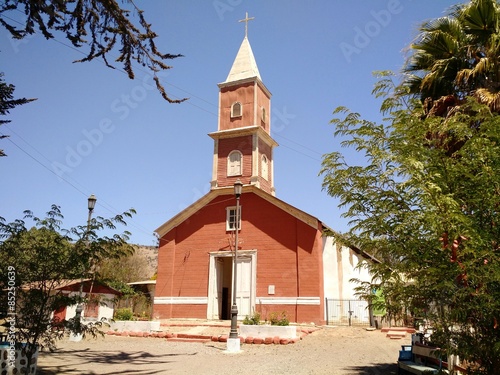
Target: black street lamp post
x,y
91,204
233,334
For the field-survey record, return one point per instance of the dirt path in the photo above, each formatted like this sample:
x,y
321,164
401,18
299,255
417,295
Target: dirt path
x,y
338,350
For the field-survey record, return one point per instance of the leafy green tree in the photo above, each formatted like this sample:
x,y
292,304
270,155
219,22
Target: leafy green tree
x,y
37,261
431,216
118,272
126,269
426,198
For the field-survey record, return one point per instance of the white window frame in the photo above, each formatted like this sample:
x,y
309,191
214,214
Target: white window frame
x,y
233,169
264,167
231,218
233,112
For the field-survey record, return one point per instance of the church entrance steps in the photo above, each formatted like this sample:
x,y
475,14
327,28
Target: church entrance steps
x,y
397,332
398,329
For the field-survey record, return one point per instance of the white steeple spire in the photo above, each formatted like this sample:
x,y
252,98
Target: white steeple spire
x,y
244,65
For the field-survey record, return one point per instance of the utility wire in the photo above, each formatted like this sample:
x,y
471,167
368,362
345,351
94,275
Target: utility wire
x,y
80,188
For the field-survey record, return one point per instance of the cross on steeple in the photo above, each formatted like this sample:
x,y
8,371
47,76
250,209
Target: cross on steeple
x,y
246,19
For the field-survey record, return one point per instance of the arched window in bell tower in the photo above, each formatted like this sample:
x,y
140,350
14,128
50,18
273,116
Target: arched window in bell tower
x,y
234,163
236,109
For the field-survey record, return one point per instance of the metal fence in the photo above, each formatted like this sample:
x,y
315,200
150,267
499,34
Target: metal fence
x,y
347,312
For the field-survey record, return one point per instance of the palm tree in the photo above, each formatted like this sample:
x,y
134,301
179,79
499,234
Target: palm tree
x,y
457,56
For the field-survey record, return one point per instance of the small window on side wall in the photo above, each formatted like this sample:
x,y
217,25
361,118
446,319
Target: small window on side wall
x,y
263,115
236,109
234,163
231,218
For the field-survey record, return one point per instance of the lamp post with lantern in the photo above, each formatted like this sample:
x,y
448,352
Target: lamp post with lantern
x,y
233,342
91,201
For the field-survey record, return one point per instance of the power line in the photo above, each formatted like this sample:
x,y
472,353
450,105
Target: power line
x,y
73,183
79,187
40,163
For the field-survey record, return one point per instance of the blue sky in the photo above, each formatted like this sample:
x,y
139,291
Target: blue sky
x,y
94,131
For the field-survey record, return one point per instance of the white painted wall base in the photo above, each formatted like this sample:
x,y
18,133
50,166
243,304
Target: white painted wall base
x,y
134,326
263,331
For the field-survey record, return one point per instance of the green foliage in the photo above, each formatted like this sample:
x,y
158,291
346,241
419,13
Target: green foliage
x,y
126,290
252,320
7,102
456,56
279,319
425,200
431,217
36,262
120,271
124,314
275,319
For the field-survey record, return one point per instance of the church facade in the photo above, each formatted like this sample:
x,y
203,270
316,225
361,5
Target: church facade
x,y
285,264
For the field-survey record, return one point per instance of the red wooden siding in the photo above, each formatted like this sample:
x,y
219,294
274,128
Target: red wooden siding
x,y
288,257
244,145
265,149
245,95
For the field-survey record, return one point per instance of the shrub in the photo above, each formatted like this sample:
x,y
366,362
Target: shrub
x,y
124,314
279,319
253,320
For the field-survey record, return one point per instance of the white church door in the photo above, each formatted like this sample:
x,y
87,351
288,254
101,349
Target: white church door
x,y
244,287
220,285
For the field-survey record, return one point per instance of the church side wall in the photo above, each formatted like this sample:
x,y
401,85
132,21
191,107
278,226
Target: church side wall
x,y
339,263
310,263
165,273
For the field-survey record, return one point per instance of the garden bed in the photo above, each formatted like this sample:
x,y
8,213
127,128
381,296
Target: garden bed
x,y
263,331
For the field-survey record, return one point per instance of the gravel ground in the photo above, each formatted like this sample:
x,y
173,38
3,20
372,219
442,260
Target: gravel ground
x,y
331,350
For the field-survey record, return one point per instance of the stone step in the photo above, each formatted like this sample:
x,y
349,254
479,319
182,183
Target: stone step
x,y
192,336
396,334
187,339
398,329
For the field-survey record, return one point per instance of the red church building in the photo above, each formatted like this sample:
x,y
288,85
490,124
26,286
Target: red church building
x,y
285,262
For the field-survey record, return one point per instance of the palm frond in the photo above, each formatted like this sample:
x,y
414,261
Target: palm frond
x,y
491,99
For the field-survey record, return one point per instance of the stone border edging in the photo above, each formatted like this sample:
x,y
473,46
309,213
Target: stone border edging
x,y
301,331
